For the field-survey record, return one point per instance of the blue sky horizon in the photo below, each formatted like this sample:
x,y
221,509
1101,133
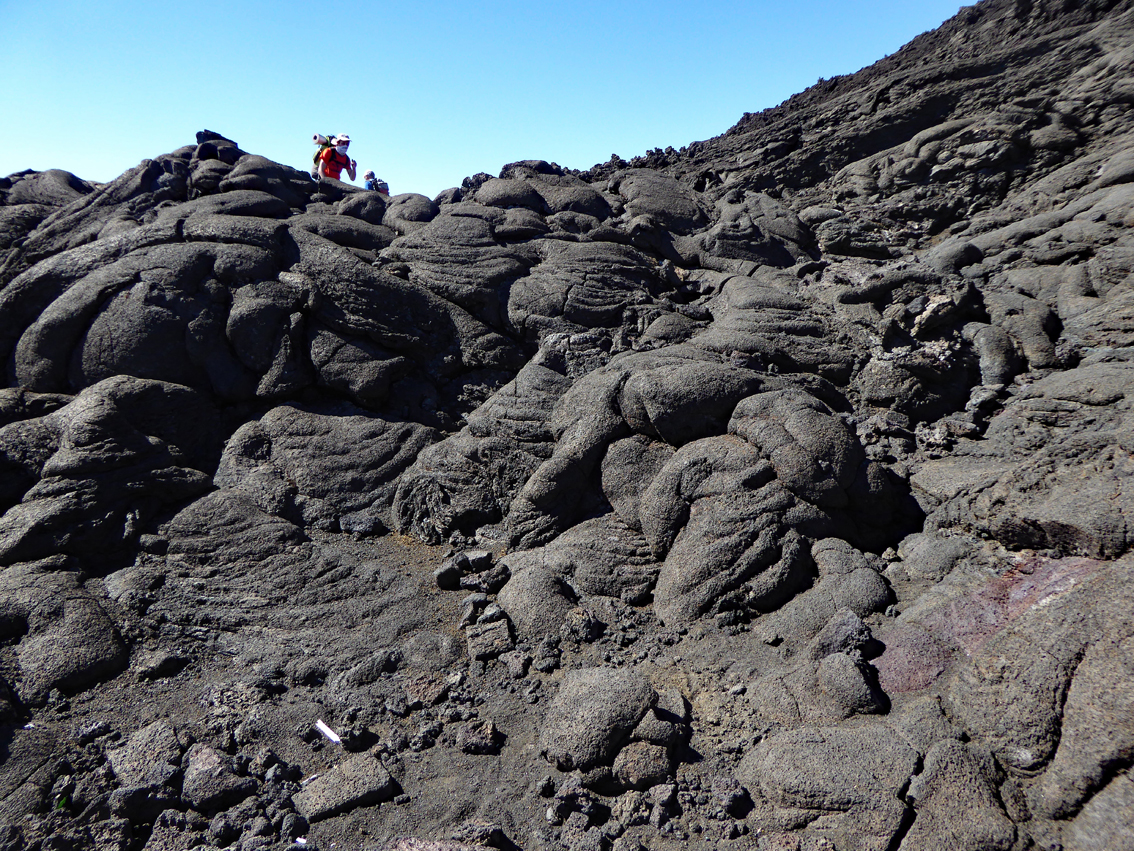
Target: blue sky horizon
x,y
429,92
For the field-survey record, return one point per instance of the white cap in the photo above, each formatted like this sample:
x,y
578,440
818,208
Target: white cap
x,y
342,137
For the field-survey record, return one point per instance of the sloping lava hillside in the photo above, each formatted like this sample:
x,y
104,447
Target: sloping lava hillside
x,y
773,493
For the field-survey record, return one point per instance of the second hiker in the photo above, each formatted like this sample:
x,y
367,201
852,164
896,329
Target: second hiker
x,y
376,184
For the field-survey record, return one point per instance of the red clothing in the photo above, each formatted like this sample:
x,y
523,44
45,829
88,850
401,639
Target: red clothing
x,y
333,163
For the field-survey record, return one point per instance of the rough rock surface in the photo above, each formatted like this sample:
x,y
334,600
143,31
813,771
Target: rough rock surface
x,y
770,493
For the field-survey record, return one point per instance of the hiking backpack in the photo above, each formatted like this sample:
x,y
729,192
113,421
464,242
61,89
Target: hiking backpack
x,y
322,142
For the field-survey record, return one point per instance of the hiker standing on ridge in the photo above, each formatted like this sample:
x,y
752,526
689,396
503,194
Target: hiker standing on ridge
x,y
375,184
334,159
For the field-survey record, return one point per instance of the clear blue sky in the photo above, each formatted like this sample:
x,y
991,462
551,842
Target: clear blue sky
x,y
430,91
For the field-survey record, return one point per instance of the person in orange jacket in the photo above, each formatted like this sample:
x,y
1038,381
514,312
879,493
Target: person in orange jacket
x,y
334,159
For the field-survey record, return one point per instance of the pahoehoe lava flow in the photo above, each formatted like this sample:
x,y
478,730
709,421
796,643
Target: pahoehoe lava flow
x,y
773,493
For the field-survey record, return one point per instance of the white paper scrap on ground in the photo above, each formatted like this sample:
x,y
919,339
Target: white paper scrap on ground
x,y
328,732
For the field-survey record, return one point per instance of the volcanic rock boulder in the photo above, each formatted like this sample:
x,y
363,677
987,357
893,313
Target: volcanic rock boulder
x,y
660,200
209,782
592,716
408,212
99,468
357,781
759,317
628,468
578,286
854,777
535,600
469,479
65,639
1032,481
677,393
336,469
686,515
30,197
457,257
1050,639
601,556
956,801
754,227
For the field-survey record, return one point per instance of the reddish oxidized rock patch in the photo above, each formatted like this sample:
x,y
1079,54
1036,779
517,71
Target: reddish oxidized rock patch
x,y
920,650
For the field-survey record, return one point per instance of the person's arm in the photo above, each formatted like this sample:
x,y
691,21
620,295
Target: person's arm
x,y
322,174
351,169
